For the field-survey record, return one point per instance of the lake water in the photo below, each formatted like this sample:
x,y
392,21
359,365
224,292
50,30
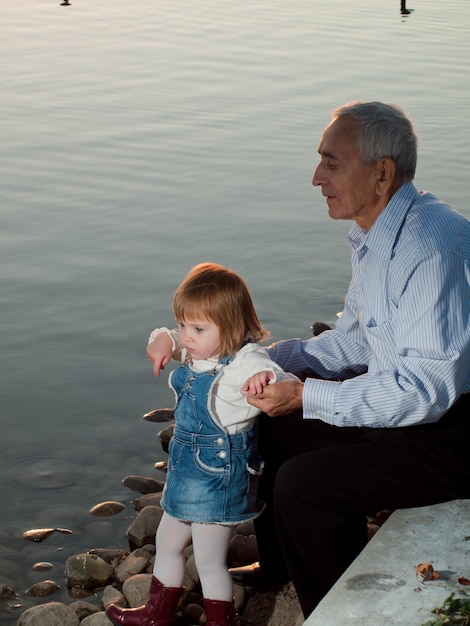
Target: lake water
x,y
139,140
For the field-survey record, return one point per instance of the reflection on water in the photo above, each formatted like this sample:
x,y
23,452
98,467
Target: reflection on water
x,y
136,143
403,9
44,473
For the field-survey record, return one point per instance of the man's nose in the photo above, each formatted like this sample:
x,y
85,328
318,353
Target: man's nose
x,y
317,176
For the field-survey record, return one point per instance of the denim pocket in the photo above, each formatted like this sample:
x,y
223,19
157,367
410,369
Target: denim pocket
x,y
211,459
175,450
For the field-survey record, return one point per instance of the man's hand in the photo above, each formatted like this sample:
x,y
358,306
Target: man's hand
x,y
159,352
279,398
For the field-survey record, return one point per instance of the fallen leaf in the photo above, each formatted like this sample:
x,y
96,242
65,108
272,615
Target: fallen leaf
x,y
464,581
425,571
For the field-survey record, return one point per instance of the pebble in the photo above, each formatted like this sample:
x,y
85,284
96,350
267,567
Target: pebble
x,y
87,571
105,509
143,484
42,565
120,576
39,534
160,415
6,593
108,574
44,588
50,614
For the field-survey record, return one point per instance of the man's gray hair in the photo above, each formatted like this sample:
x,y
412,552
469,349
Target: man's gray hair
x,y
386,132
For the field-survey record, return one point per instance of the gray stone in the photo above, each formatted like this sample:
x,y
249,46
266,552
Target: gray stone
x,y
189,584
193,613
136,589
42,589
42,566
165,435
130,566
111,595
50,614
105,509
143,528
160,415
191,569
97,619
87,570
243,550
111,555
82,609
239,595
148,550
6,593
143,484
246,528
148,499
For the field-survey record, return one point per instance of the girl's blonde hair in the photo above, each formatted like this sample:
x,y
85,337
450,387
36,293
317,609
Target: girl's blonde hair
x,y
221,296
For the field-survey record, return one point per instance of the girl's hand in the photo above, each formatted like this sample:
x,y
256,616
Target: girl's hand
x,y
256,383
279,398
159,352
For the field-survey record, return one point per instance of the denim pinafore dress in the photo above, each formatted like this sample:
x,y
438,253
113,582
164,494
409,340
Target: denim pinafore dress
x,y
212,476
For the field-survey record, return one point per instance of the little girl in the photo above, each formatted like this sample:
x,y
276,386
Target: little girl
x,y
213,463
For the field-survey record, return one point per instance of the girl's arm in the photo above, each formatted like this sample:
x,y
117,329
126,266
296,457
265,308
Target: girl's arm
x,y
263,372
161,349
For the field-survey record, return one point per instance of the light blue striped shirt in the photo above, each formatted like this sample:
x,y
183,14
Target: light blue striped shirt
x,y
403,340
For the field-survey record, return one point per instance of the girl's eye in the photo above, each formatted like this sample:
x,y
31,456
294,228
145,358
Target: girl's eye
x,y
198,330
180,325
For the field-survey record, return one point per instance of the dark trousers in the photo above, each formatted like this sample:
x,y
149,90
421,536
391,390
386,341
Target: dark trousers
x,y
321,482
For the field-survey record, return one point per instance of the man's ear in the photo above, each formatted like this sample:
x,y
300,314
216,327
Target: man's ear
x,y
385,176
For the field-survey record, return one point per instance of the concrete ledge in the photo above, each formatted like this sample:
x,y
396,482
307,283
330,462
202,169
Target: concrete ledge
x,y
381,586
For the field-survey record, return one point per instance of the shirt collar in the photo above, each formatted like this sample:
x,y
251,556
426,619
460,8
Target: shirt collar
x,y
383,234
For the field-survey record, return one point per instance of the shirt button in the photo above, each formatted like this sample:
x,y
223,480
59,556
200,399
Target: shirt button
x,y
219,441
222,454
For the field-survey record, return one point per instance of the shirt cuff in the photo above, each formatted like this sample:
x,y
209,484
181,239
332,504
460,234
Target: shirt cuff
x,y
154,334
319,399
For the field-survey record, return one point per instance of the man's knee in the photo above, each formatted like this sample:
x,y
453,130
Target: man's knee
x,y
294,481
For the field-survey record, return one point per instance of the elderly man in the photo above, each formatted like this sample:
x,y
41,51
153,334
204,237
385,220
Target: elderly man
x,y
381,420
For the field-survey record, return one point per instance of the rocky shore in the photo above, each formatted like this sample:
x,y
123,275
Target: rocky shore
x,y
100,576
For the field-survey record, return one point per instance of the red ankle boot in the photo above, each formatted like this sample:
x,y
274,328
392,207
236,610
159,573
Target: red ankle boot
x,y
220,613
157,612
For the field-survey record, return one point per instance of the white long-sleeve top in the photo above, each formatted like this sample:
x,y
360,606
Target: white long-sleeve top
x,y
228,407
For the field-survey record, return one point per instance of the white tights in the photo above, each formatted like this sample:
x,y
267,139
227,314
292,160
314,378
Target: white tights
x,y
210,545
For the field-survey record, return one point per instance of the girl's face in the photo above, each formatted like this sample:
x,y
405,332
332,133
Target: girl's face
x,y
200,337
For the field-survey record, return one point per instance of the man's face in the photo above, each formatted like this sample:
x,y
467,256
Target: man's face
x,y
348,185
